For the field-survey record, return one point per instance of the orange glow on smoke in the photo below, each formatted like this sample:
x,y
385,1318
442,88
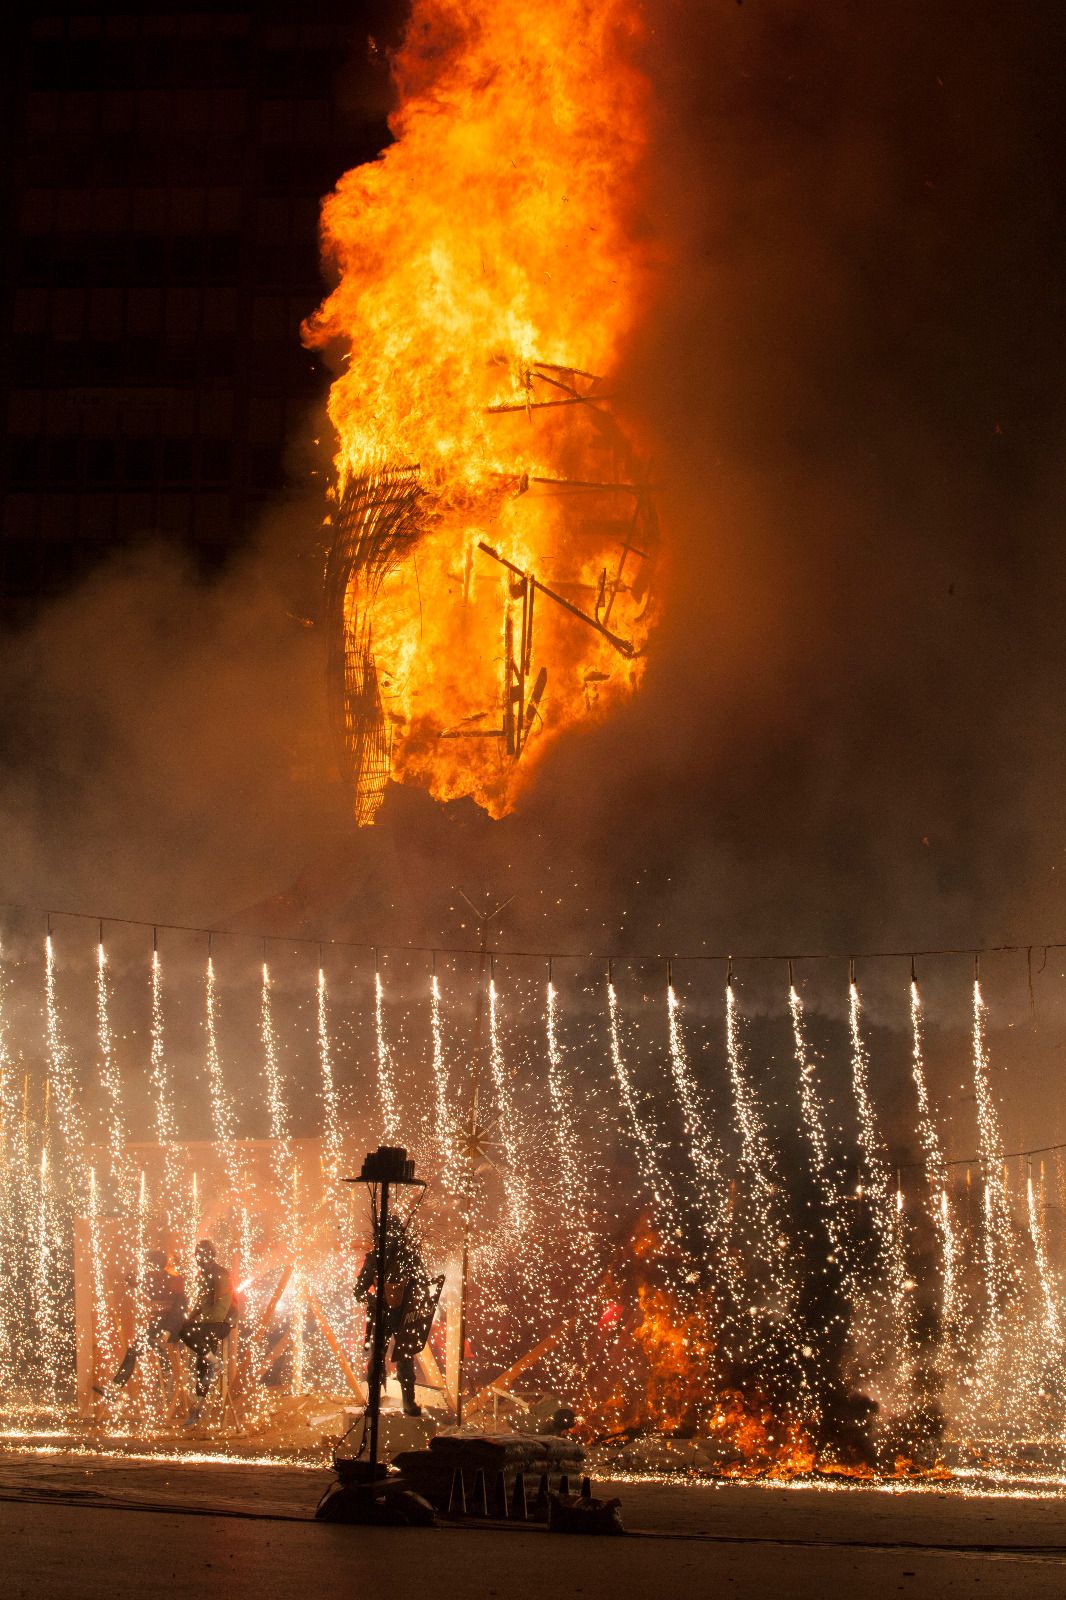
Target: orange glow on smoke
x,y
488,282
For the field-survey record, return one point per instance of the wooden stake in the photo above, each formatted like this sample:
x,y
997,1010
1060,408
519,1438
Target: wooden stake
x,y
269,1309
335,1345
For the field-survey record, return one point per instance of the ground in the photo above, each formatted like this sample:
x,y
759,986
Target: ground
x,y
91,1529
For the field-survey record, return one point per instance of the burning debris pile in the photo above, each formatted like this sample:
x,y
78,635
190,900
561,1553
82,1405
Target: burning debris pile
x,y
486,494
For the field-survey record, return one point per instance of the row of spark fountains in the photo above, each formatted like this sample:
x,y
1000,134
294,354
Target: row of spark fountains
x,y
805,1313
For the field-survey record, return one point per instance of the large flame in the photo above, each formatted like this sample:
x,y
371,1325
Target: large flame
x,y
492,536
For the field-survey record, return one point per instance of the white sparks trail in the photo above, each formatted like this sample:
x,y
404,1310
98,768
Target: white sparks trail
x,y
505,1111
645,1148
815,1126
445,1128
814,1120
330,1106
386,1071
11,1223
559,1094
779,1292
103,1333
142,1305
1049,1292
59,1065
712,1189
224,1121
997,1233
279,1132
110,1078
46,1306
222,1117
159,1077
936,1174
755,1156
884,1209
757,1163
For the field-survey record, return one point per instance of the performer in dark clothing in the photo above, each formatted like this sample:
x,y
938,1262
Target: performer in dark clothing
x,y
212,1317
164,1296
409,1302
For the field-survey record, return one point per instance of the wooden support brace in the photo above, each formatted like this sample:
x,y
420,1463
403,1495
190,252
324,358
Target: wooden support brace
x,y
269,1309
430,1370
335,1345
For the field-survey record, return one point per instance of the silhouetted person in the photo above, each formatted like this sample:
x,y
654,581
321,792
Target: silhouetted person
x,y
406,1300
167,1310
212,1317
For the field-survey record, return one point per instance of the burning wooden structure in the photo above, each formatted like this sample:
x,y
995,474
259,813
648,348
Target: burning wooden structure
x,y
465,624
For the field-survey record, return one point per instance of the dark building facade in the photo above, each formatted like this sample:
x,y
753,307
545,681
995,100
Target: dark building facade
x,y
161,189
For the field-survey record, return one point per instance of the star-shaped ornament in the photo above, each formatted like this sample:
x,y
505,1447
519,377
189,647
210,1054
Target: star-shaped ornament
x,y
476,1141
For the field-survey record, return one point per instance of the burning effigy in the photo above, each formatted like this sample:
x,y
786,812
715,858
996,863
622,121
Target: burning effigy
x,y
490,553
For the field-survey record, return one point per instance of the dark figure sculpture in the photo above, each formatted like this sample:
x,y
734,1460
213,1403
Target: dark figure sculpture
x,y
409,1303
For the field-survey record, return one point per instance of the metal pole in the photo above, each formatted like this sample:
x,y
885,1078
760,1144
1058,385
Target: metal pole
x,y
377,1353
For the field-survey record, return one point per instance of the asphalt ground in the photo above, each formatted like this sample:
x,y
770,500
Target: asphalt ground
x,y
85,1527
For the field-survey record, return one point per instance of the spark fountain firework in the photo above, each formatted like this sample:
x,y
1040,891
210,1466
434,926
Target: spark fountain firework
x,y
997,1233
889,1287
159,1078
506,1119
51,1349
830,1190
111,1079
386,1071
279,1132
1049,1291
445,1122
11,1223
729,1292
643,1140
567,1136
706,1157
936,1174
223,1124
774,1292
330,1105
59,1065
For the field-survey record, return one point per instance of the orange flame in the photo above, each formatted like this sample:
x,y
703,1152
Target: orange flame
x,y
488,281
